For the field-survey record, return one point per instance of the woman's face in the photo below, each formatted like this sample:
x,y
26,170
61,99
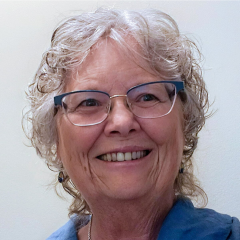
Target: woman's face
x,y
108,69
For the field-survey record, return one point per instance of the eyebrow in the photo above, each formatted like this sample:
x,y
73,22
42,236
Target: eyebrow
x,y
88,84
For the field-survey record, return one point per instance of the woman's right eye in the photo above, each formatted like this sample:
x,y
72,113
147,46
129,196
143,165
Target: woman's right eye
x,y
89,103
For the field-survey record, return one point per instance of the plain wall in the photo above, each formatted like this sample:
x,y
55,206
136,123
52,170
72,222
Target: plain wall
x,y
30,210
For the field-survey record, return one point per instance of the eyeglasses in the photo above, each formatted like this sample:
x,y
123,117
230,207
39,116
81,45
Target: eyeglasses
x,y
148,100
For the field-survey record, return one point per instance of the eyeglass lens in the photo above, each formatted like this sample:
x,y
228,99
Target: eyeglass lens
x,y
151,100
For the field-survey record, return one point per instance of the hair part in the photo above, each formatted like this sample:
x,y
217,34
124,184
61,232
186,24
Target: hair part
x,y
170,54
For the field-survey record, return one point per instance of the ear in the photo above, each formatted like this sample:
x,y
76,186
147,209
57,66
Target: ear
x,y
57,140
58,151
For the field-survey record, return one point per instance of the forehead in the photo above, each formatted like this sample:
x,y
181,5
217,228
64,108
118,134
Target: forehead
x,y
108,63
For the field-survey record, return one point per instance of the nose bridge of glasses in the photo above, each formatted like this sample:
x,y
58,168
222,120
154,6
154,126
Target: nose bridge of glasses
x,y
115,96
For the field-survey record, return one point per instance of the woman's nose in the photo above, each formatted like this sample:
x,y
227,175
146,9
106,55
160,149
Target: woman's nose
x,y
120,121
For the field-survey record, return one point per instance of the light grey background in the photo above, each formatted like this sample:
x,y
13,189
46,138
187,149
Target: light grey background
x,y
29,210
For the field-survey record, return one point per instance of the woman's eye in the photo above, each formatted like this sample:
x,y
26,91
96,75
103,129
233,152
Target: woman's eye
x,y
89,103
148,97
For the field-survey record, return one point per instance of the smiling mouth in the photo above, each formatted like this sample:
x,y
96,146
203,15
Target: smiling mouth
x,y
120,156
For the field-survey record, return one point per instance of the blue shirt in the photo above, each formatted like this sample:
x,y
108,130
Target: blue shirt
x,y
183,222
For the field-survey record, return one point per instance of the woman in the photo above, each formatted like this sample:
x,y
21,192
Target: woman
x,y
116,107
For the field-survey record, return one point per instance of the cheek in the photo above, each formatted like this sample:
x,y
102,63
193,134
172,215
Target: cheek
x,y
164,131
75,143
167,134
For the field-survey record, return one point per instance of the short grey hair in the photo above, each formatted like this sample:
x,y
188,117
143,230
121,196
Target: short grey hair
x,y
170,54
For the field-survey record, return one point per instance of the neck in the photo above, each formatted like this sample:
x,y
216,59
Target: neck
x,y
131,219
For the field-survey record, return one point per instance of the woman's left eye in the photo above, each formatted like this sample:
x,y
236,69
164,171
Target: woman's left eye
x,y
148,97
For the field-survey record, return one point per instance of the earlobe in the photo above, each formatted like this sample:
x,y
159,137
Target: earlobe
x,y
61,177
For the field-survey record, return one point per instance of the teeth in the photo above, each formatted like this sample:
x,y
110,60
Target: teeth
x,y
119,157
109,157
128,156
114,157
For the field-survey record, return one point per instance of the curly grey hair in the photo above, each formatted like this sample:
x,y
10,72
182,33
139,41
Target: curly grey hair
x,y
171,55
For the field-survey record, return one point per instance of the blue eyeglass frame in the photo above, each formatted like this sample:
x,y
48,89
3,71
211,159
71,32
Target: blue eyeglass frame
x,y
178,84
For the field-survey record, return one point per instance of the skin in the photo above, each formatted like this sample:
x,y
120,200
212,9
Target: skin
x,y
130,199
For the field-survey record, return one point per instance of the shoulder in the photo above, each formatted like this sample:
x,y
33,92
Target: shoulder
x,y
66,232
235,231
184,221
69,230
